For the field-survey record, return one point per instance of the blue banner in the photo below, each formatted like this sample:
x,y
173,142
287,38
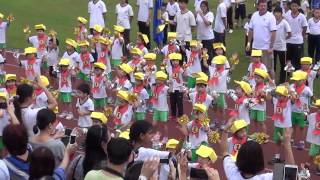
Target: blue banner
x,y
157,36
315,4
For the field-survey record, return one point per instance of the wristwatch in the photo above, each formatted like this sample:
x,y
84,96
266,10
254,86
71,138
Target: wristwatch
x,y
142,177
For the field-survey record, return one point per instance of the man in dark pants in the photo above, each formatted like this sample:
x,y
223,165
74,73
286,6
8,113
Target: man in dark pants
x,y
144,17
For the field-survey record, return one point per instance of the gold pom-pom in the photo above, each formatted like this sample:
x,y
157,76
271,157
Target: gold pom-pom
x,y
76,30
316,160
52,33
10,18
55,93
205,121
26,29
234,59
261,137
213,137
183,120
25,81
133,97
108,111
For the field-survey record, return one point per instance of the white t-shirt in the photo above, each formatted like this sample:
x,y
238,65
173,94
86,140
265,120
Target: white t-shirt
x,y
312,138
74,57
144,153
286,113
304,6
184,23
143,97
221,13
296,24
151,74
143,12
116,48
85,121
4,172
283,28
205,32
243,109
85,68
207,102
311,77
286,14
4,120
197,5
96,12
98,89
31,71
175,77
53,56
65,84
195,67
251,72
172,9
125,86
262,24
29,118
221,86
126,116
304,97
261,106
34,40
3,28
232,172
123,15
41,101
314,27
162,104
194,140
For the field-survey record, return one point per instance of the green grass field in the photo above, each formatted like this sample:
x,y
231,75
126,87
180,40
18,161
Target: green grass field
x,y
61,15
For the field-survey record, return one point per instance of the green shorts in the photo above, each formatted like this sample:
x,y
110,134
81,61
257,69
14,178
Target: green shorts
x,y
220,101
258,115
139,116
3,45
314,150
2,78
160,115
83,76
191,82
115,63
65,97
1,143
298,119
276,132
99,102
194,156
45,65
119,126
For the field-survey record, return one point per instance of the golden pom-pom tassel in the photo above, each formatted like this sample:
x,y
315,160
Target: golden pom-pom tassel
x,y
205,121
261,137
10,18
316,160
108,111
213,137
183,120
25,81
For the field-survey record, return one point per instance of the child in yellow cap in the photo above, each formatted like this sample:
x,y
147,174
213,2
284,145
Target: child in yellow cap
x,y
65,88
31,64
238,138
41,100
301,94
122,114
206,156
200,94
141,43
306,66
3,26
220,50
11,84
117,46
140,105
193,65
150,69
84,62
84,106
71,52
135,62
81,31
39,41
123,77
94,40
99,86
313,133
171,47
98,118
256,62
51,59
104,56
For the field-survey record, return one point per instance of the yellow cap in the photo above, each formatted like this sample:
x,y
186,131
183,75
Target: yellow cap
x,y
193,43
125,134
200,74
244,86
30,50
1,15
202,80
145,38
105,41
175,56
11,77
261,73
99,65
44,81
98,28
71,42
100,116
83,43
200,107
82,20
237,125
219,45
160,28
282,90
172,35
256,53
206,152
317,103
40,26
3,95
299,75
160,75
126,68
123,95
172,144
136,51
219,59
64,62
139,76
150,56
118,28
306,60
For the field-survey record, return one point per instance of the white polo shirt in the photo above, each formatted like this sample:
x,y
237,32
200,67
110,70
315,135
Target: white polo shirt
x,y
143,96
184,23
126,116
286,113
123,15
116,48
262,26
296,24
84,69
85,121
304,97
96,12
143,12
36,69
283,28
3,28
205,32
65,87
74,57
221,86
312,138
194,140
221,13
314,26
172,9
162,104
195,67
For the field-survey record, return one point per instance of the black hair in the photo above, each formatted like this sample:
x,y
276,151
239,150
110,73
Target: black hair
x,y
94,153
250,158
44,118
206,3
277,9
184,1
15,139
261,1
24,91
40,156
295,2
138,128
119,151
84,87
133,172
57,41
164,4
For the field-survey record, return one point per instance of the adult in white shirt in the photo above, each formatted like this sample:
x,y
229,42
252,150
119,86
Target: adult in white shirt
x,y
314,35
97,10
145,17
185,22
229,4
285,8
205,34
172,9
250,161
124,14
263,31
220,24
298,24
197,5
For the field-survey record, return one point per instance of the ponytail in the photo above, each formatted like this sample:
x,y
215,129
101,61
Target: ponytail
x,y
17,109
23,92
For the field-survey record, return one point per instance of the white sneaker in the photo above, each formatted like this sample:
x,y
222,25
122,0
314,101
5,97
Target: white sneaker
x,y
230,31
63,115
69,116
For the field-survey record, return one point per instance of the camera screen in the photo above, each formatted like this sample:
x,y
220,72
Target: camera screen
x,y
290,173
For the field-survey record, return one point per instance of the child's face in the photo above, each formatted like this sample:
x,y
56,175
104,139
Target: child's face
x,y
98,71
81,24
198,114
285,5
281,97
258,79
50,45
96,122
64,68
203,161
316,13
30,56
103,46
120,72
2,100
219,51
203,8
193,48
138,82
149,62
160,82
69,47
147,137
182,5
278,15
201,87
219,66
175,62
255,59
95,32
173,151
300,82
11,83
294,7
135,56
81,94
305,66
242,133
40,32
139,40
84,49
239,91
